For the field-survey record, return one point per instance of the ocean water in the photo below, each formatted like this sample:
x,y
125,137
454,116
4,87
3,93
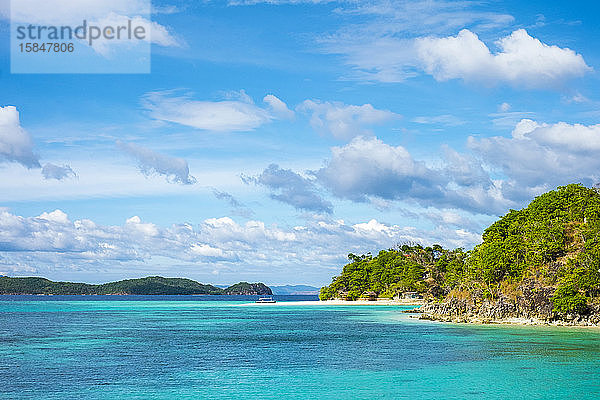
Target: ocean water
x,y
202,347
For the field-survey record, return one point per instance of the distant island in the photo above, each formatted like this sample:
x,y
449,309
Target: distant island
x,y
152,285
537,265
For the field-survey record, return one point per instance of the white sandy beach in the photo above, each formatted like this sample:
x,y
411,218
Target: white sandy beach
x,y
381,302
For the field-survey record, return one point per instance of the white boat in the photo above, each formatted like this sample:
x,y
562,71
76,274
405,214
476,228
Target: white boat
x,y
266,300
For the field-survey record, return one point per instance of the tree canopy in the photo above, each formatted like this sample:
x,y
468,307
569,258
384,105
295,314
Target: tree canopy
x,y
554,241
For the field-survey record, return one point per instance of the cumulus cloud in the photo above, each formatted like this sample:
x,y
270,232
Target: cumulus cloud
x,y
540,156
235,114
397,40
344,121
53,239
278,107
58,172
570,137
536,158
16,144
135,224
381,46
292,188
522,60
495,174
368,168
464,169
207,250
150,162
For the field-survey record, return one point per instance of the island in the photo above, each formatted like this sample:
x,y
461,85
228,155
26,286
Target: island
x,y
537,265
152,285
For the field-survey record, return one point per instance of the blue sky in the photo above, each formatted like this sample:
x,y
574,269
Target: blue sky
x,y
273,138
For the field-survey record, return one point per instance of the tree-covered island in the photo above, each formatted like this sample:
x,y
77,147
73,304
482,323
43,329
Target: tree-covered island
x,y
538,263
152,285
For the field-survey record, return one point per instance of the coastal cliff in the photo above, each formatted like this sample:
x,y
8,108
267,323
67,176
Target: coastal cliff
x,y
535,308
540,264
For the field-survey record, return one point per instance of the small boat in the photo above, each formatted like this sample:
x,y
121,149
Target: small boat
x,y
266,300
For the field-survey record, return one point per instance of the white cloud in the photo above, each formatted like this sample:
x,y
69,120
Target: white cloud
x,y
153,33
114,176
278,107
381,59
57,216
292,188
150,162
445,119
522,61
239,114
58,172
508,119
541,156
16,144
52,242
504,107
367,168
206,250
577,98
135,224
567,137
381,46
537,158
344,121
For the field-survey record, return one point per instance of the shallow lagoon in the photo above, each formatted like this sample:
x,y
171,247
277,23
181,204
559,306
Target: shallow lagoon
x,y
185,347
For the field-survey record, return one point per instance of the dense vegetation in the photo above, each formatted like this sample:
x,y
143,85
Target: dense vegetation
x,y
552,243
152,285
248,289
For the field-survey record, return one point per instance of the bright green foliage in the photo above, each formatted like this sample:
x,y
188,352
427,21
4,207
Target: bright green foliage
x,y
560,227
555,241
404,269
153,285
567,298
536,235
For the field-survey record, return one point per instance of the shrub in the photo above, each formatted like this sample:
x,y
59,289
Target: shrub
x,y
568,300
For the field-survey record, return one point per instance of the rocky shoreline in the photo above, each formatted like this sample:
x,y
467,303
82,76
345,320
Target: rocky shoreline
x,y
505,311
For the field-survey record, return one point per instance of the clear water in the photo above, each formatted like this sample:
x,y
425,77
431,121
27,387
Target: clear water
x,y
135,347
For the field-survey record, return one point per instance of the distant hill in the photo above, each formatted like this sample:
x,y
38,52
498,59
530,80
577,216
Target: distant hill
x,y
245,288
152,285
295,290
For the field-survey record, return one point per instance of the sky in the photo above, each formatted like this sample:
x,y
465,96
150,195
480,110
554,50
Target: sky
x,y
272,138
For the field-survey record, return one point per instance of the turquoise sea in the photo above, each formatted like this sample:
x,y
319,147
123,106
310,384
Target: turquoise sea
x,y
204,347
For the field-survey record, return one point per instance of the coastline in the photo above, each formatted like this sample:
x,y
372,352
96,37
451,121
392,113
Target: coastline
x,y
536,311
380,302
512,321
